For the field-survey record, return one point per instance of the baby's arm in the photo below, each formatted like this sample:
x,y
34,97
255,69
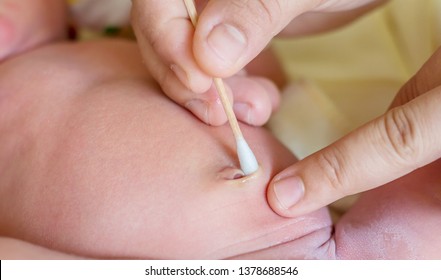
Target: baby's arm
x,y
401,220
26,24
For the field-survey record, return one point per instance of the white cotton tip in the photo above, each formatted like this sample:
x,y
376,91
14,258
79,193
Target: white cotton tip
x,y
248,162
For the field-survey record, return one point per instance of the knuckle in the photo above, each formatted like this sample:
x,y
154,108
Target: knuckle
x,y
331,163
401,135
263,13
409,91
270,9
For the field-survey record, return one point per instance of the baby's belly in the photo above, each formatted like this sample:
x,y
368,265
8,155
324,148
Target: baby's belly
x,y
87,177
107,226
116,213
100,208
88,186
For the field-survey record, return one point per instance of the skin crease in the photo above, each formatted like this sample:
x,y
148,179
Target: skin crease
x,y
96,162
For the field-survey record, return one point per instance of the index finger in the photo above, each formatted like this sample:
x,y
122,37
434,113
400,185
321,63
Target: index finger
x,y
167,28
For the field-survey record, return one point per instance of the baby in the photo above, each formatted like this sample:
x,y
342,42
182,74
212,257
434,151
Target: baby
x,y
97,162
26,24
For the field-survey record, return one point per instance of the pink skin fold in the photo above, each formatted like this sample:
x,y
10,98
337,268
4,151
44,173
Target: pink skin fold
x,y
27,24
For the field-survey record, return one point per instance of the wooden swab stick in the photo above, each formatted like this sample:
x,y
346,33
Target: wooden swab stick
x,y
248,162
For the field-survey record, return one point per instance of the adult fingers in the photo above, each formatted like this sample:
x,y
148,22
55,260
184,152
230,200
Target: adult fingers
x,y
402,140
164,34
164,27
230,33
328,18
205,106
255,98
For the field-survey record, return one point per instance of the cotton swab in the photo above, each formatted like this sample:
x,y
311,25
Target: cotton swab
x,y
247,160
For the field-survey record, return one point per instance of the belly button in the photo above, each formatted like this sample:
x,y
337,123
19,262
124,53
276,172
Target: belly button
x,y
231,173
236,175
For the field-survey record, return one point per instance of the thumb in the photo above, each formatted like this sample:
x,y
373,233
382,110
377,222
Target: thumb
x,y
230,33
405,138
402,140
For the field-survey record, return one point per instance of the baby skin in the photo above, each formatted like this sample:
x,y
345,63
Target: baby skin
x,y
96,162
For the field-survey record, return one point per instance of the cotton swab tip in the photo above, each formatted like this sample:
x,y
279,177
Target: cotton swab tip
x,y
247,160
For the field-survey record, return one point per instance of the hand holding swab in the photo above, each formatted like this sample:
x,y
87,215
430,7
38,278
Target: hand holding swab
x,y
247,160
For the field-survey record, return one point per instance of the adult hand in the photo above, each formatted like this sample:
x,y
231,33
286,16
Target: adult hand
x,y
229,34
407,137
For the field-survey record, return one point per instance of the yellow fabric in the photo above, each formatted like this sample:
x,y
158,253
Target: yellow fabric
x,y
346,78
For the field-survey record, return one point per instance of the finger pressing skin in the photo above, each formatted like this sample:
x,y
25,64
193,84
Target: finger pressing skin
x,y
166,27
402,140
230,33
255,98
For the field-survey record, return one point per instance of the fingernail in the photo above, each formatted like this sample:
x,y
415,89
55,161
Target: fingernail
x,y
199,108
243,111
227,42
289,191
180,73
